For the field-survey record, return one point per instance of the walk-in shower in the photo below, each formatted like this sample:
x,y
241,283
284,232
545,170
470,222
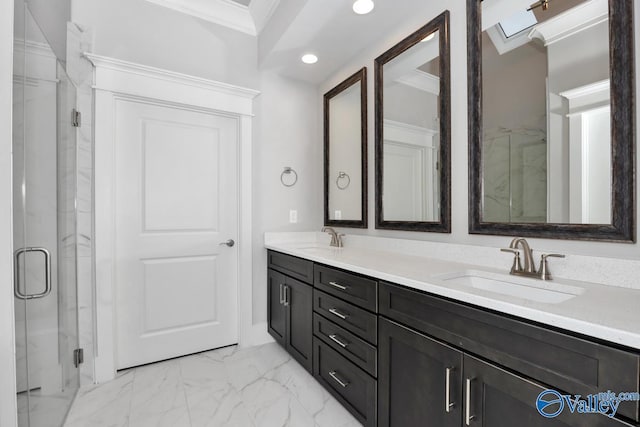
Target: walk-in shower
x,y
44,218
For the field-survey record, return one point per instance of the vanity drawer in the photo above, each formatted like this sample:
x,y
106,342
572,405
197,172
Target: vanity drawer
x,y
358,290
350,385
570,364
297,268
354,319
347,344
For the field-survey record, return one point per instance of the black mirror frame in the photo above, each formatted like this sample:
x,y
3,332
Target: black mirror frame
x,y
441,24
361,77
622,75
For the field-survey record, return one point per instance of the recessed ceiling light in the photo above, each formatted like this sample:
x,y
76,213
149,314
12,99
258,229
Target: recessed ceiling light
x,y
362,7
429,37
309,58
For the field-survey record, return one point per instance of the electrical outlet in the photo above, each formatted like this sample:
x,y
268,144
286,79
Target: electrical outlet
x,y
293,216
337,214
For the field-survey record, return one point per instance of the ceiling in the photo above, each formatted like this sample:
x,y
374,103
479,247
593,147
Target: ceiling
x,y
332,31
287,29
242,15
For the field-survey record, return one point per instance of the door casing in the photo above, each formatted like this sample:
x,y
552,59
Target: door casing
x,y
120,80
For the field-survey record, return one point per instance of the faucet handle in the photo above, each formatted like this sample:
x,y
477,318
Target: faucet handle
x,y
545,256
544,272
517,266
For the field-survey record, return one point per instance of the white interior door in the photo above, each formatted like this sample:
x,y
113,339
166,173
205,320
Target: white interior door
x,y
176,202
404,182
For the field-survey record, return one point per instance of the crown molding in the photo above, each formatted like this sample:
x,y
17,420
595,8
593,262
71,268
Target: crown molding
x,y
571,22
33,48
590,89
222,12
131,68
421,80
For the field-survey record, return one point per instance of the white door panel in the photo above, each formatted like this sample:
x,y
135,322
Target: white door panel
x,y
176,200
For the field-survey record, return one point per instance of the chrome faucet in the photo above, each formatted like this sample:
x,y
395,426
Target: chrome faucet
x,y
336,239
518,245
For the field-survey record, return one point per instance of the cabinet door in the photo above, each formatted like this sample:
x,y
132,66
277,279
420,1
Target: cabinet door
x,y
497,398
419,379
276,311
299,301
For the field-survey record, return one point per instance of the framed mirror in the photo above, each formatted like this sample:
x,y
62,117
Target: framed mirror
x,y
413,123
345,153
552,119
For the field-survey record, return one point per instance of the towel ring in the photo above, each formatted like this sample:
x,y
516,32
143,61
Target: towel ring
x,y
342,175
288,170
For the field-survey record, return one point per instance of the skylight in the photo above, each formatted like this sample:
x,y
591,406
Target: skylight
x,y
518,23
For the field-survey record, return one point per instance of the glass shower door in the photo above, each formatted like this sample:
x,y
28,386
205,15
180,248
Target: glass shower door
x,y
44,174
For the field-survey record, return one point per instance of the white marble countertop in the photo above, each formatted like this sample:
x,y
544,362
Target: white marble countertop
x,y
605,312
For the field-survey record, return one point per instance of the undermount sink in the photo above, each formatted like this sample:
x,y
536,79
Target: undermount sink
x,y
320,249
548,292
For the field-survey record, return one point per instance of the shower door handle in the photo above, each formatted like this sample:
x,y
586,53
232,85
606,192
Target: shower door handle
x,y
47,274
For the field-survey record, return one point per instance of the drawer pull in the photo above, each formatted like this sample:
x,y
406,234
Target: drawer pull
x,y
338,380
447,391
338,285
468,417
335,312
338,341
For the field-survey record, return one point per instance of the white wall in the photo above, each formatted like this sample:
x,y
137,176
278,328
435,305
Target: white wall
x,y
286,133
8,409
142,32
285,128
459,190
345,152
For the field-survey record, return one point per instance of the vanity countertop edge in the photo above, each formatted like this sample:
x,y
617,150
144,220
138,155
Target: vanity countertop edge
x,y
603,312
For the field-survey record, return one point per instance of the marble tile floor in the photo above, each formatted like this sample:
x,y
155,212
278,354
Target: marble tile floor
x,y
252,387
44,409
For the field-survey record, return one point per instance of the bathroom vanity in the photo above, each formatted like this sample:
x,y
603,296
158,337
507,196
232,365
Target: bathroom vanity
x,y
397,349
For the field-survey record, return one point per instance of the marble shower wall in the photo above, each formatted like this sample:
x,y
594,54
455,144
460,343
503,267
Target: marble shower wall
x,y
80,70
515,177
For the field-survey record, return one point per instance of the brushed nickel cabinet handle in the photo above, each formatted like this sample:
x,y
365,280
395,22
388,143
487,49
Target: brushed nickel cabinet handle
x,y
334,375
338,341
338,286
447,390
335,312
468,417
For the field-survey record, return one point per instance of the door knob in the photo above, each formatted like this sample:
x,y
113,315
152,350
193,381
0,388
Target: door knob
x,y
229,243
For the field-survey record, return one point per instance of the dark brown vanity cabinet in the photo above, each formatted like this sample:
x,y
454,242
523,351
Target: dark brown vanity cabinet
x,y
395,356
424,381
290,313
419,380
345,339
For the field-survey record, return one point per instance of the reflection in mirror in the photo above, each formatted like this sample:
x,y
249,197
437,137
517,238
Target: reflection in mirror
x,y
544,156
548,154
412,131
345,112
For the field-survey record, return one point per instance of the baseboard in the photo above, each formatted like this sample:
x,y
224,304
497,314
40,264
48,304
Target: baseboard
x,y
258,335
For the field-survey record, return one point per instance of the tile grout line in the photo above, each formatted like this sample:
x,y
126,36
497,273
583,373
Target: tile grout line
x,y
184,393
133,383
232,385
